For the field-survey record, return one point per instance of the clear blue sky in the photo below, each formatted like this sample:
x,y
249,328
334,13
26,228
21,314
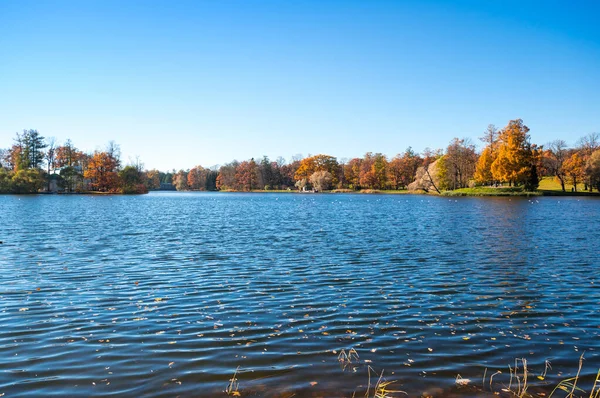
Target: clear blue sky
x,y
182,83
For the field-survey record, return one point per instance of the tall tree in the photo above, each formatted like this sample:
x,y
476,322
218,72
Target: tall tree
x,y
586,146
226,179
318,163
490,137
153,179
131,180
50,158
373,171
180,180
31,149
246,175
460,161
102,171
574,168
196,178
352,173
554,159
517,157
593,169
483,169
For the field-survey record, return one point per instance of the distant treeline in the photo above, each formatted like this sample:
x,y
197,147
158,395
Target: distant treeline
x,y
508,157
35,164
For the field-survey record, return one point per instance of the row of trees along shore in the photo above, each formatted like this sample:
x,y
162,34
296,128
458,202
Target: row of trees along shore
x,y
35,164
508,157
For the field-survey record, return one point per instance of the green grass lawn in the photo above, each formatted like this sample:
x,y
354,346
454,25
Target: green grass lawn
x,y
548,186
491,191
551,184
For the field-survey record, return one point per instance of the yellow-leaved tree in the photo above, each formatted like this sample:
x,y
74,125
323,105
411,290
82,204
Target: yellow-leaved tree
x,y
516,160
483,170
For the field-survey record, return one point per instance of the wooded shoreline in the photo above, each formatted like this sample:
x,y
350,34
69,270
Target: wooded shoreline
x,y
508,165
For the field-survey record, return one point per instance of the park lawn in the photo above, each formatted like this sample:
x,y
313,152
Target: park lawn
x,y
490,191
551,184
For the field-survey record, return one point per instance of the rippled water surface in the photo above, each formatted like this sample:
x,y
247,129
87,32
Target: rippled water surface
x,y
167,294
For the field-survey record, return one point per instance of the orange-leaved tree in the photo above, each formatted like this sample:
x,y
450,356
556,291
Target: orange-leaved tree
x,y
574,168
308,166
102,172
517,158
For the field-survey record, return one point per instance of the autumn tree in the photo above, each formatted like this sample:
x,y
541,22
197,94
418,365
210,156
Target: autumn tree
x,y
102,172
27,181
70,161
483,168
407,166
373,171
352,173
196,178
246,175
460,162
153,179
574,169
587,145
226,179
593,169
310,165
131,180
180,180
517,158
288,171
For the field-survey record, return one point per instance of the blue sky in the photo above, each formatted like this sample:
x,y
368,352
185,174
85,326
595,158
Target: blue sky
x,y
182,83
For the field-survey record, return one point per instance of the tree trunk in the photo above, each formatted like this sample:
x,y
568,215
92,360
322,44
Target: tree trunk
x,y
431,180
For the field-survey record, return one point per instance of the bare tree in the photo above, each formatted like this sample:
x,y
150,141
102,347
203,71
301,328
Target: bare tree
x,y
461,160
558,152
50,157
490,137
114,151
589,143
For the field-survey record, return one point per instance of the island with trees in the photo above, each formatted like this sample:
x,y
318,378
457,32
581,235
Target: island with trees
x,y
508,164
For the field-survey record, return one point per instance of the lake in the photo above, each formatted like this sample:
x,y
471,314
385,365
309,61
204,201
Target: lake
x,y
167,294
